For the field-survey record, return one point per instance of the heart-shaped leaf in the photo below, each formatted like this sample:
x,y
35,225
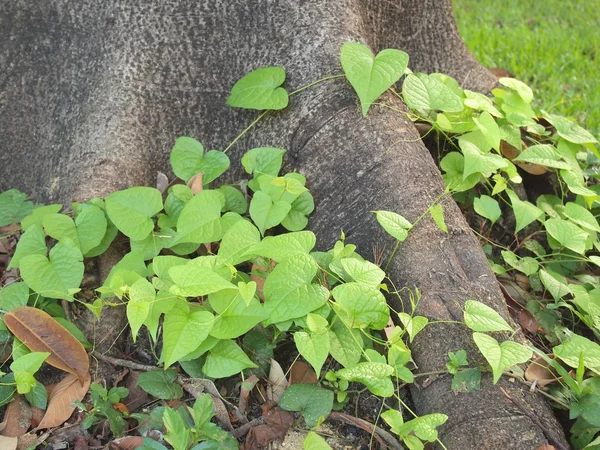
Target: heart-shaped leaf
x,y
225,359
260,89
265,213
32,242
371,76
312,401
374,375
500,356
131,210
361,306
426,92
480,317
57,277
188,159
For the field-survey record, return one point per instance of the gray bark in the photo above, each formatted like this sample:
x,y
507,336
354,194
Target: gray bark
x,y
93,96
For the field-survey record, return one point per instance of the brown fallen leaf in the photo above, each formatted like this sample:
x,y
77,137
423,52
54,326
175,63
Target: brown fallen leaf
x,y
60,402
8,443
41,333
277,423
527,321
541,372
17,417
80,443
126,443
195,183
277,382
302,373
546,447
247,386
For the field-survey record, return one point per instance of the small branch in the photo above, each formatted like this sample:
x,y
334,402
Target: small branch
x,y
535,420
243,430
380,434
124,363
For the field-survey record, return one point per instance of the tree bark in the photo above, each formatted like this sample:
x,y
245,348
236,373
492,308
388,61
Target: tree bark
x,y
93,96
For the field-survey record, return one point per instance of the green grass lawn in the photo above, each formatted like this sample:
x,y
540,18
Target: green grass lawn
x,y
553,45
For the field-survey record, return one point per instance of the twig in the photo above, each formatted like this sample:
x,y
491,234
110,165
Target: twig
x,y
124,363
243,430
535,420
380,434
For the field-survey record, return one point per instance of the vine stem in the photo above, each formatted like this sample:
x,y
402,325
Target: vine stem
x,y
331,77
246,130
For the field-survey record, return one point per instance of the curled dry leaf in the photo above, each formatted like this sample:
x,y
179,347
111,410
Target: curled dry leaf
x,y
195,183
60,402
277,382
247,386
302,373
17,417
41,333
539,371
8,443
126,443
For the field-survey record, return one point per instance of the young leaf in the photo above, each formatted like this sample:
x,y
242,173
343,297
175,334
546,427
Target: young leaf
x,y
525,212
314,347
263,161
297,219
374,375
371,76
570,350
361,306
234,199
521,88
487,207
260,89
178,434
394,224
266,213
91,227
480,162
184,330
160,384
363,272
312,401
569,130
581,216
131,210
225,359
194,280
423,427
437,214
25,367
313,441
288,291
489,128
57,277
37,215
480,317
413,324
141,296
188,159
500,356
235,316
527,264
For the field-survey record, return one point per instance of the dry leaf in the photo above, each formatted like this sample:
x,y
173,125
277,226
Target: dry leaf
x,y
195,183
41,333
277,424
126,443
277,382
540,371
527,321
221,413
60,402
17,417
162,182
247,386
8,443
546,447
302,373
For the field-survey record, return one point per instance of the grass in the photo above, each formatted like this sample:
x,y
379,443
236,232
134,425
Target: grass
x,y
553,45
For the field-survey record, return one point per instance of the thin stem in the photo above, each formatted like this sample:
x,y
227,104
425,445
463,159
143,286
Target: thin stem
x,y
246,130
331,77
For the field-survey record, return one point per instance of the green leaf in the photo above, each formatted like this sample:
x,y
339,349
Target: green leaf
x,y
371,76
178,434
361,306
14,295
478,162
314,347
288,291
489,128
588,408
263,160
425,92
91,227
437,214
32,242
570,351
487,207
199,221
394,224
234,199
480,317
527,264
500,356
521,88
363,272
424,427
57,277
552,282
312,401
188,159
581,216
413,324
569,130
226,359
236,241
480,102
195,280
184,330
14,206
525,212
260,90
247,291
466,380
297,219
38,396
60,226
453,165
345,344
235,316
265,212
374,375
313,441
284,246
141,297
162,264
543,155
567,234
131,210
25,367
37,215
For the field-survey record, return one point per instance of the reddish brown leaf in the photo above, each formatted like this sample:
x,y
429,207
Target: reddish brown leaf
x,y
247,386
60,402
302,373
527,321
137,396
80,443
126,443
539,370
41,333
277,424
17,417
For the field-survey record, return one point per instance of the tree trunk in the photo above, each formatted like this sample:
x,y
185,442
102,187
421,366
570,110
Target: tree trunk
x,y
93,96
